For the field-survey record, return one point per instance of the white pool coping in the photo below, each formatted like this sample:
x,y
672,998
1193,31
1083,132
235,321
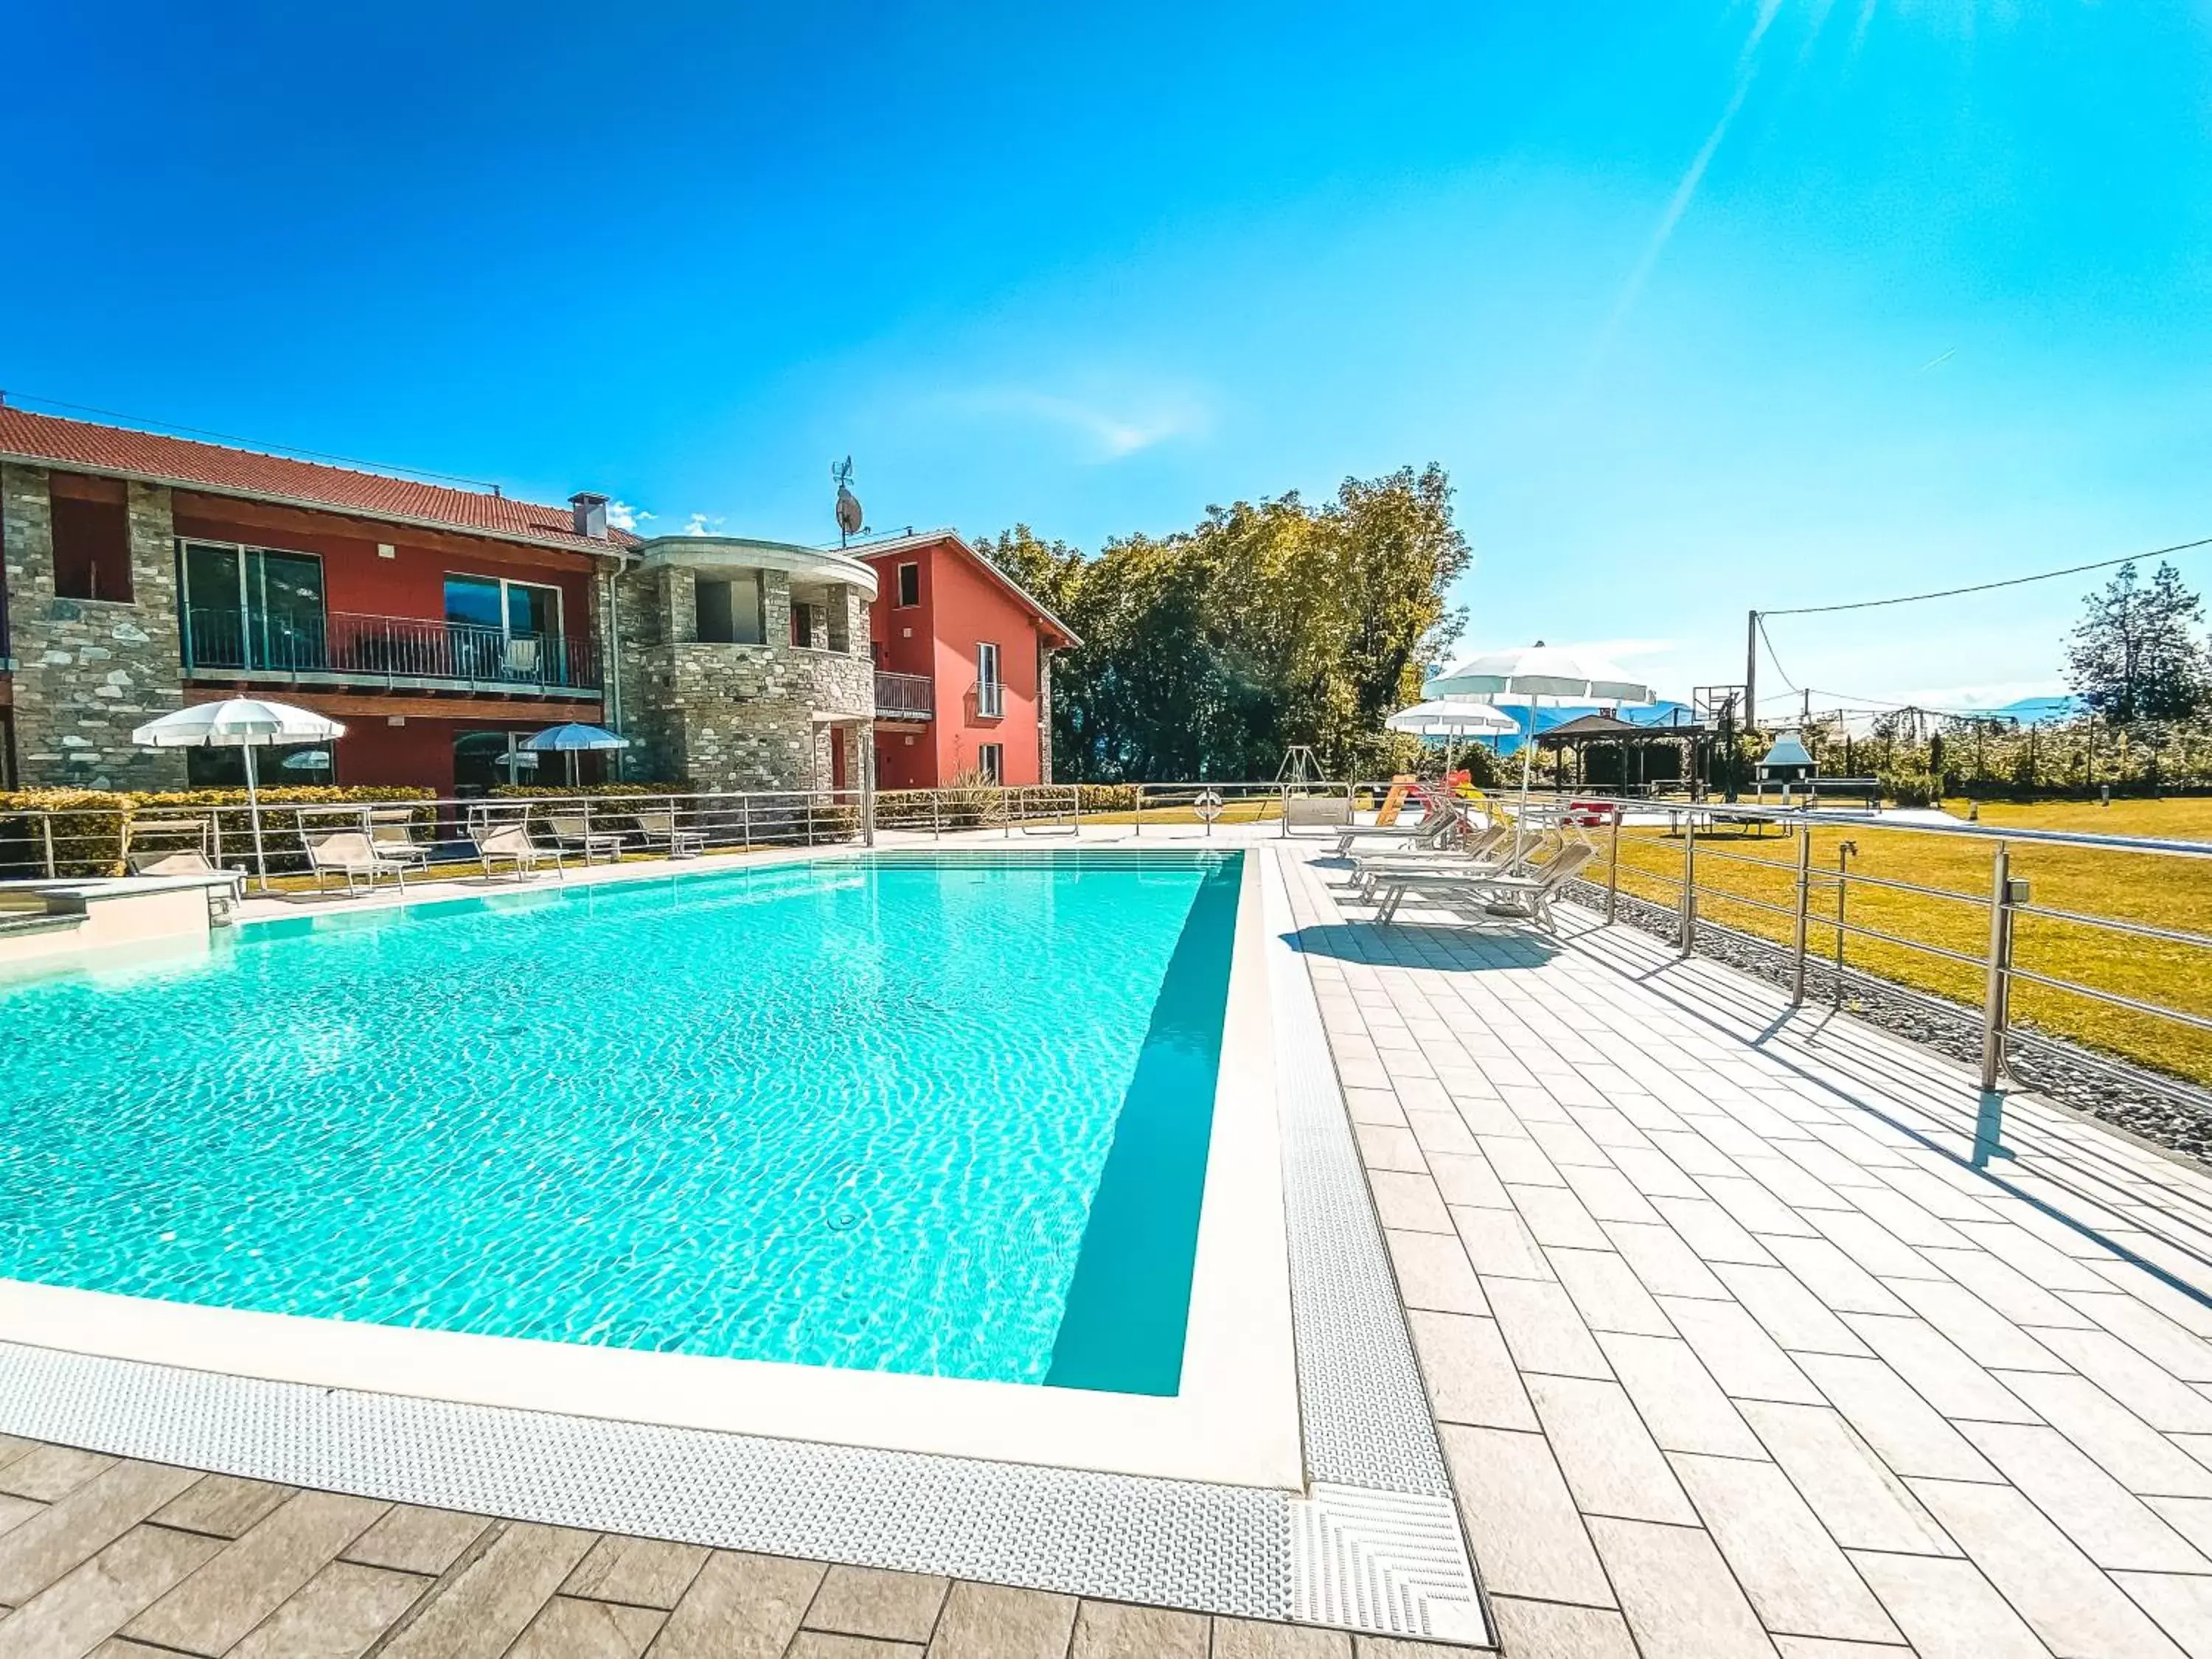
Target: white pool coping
x,y
1235,1419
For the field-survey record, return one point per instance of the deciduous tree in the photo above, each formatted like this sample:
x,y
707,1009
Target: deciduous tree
x,y
2135,654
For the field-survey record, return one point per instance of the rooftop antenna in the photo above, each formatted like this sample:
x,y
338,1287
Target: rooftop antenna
x,y
848,504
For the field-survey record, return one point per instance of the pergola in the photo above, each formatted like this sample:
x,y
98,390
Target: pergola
x,y
1630,738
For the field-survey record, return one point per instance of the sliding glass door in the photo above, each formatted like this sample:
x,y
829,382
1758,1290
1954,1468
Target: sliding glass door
x,y
252,607
502,629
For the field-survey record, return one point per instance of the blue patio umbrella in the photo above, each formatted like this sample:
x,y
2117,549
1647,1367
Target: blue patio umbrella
x,y
572,739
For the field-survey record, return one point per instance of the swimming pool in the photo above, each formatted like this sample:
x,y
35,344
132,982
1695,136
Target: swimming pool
x,y
946,1116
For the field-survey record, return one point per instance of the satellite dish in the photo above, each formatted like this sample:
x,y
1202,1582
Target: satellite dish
x,y
849,520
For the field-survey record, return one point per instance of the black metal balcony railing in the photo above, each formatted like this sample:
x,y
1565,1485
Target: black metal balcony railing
x,y
393,649
905,696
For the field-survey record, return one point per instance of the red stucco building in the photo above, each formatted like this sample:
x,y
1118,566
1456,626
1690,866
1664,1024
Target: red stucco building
x,y
964,667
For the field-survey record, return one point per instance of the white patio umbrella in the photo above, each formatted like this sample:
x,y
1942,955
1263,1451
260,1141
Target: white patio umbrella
x,y
572,739
1450,720
1532,676
247,723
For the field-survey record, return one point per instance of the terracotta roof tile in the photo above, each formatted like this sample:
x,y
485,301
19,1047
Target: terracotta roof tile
x,y
49,439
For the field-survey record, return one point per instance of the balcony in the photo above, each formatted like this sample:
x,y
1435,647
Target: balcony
x,y
905,696
390,653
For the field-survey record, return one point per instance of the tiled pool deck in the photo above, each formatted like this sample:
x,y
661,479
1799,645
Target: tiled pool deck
x,y
1734,1347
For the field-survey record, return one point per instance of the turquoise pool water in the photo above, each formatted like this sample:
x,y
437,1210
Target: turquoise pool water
x,y
943,1115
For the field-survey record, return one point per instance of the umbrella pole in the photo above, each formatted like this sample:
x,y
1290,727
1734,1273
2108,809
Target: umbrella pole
x,y
1520,819
253,811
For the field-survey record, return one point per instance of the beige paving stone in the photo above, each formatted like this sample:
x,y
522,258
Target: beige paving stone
x,y
824,1644
1796,1319
479,1611
1611,1463
1499,1244
13,1446
1518,1161
2181,1603
1676,1396
1562,1141
740,1607
2161,1399
1785,1560
1556,1217
2190,1516
89,1604
338,1614
1666,1265
2174,1350
1521,1520
223,1505
1242,1638
1653,1175
1542,1330
2005,1288
569,1628
1471,1377
898,1607
1953,1384
1711,1232
1606,1292
1907,1220
1752,1206
1677,1594
1904,1429
1743,1359
2111,1526
1374,1106
1819,1647
1468,1181
1946,1608
1408,1202
2133,1453
1691,1152
1868,1243
1433,1272
79,1525
1383,1147
2078,1612
243,1582
1442,1134
1861,1502
14,1511
1608,1195
990,1621
1545,1630
1112,1630
645,1573
1984,1335
411,1539
48,1472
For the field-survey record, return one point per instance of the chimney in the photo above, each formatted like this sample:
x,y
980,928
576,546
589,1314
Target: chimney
x,y
590,513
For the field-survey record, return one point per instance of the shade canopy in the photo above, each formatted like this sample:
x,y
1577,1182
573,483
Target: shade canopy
x,y
236,723
571,737
1564,673
1453,720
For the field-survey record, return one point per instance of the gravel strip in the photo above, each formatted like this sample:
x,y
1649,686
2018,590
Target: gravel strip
x,y
2162,1110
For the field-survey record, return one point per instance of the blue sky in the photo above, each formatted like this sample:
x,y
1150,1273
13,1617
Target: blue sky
x,y
1704,303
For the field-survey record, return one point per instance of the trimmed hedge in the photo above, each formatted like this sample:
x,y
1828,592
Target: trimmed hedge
x,y
88,840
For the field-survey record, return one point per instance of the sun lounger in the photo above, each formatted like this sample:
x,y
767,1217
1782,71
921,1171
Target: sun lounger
x,y
350,853
1530,895
511,844
573,831
1442,814
389,833
192,861
660,829
1480,853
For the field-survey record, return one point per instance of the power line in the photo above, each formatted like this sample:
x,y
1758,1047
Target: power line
x,y
1985,587
255,443
1795,688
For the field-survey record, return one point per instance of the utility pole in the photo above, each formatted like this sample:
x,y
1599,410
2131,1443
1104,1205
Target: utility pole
x,y
1751,673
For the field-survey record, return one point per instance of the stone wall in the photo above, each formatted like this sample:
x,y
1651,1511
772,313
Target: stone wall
x,y
88,671
730,716
1044,714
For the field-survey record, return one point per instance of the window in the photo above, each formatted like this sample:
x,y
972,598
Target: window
x,y
252,607
92,539
730,611
502,629
990,694
225,768
909,586
991,761
484,759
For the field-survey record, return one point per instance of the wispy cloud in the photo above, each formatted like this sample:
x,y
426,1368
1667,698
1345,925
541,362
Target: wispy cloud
x,y
704,524
1686,188
1109,429
620,515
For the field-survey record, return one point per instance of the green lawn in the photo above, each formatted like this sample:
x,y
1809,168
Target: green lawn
x,y
2168,892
